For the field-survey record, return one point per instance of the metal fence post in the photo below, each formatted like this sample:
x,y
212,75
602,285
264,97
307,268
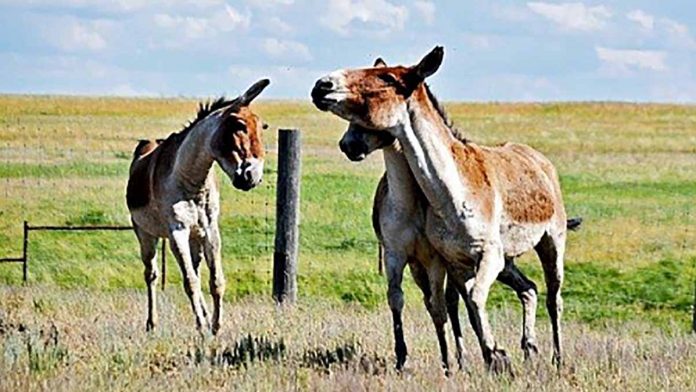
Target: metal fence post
x,y
287,217
25,261
693,321
164,262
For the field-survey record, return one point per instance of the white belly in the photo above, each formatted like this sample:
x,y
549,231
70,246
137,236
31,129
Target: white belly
x,y
518,239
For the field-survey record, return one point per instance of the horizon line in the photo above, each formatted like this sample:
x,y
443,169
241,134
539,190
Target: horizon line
x,y
307,100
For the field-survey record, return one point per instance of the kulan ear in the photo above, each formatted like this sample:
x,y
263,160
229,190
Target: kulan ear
x,y
429,64
231,123
379,63
253,91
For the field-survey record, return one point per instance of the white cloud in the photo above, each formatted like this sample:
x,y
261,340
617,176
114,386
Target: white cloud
x,y
81,36
286,49
510,13
477,41
191,27
510,86
266,4
678,33
69,74
286,81
426,9
72,35
341,13
124,5
235,17
197,27
644,19
573,16
674,27
278,26
113,6
626,59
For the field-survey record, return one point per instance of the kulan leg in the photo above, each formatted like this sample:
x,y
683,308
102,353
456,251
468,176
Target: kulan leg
x,y
395,263
459,281
491,264
197,256
551,250
438,308
452,303
148,253
527,293
179,242
428,279
217,276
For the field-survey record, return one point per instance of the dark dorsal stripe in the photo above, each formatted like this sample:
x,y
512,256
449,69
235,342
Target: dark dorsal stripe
x,y
443,114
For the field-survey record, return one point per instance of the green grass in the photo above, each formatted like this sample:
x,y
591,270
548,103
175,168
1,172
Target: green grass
x,y
628,170
64,170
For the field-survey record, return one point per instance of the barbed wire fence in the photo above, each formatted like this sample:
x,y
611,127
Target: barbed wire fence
x,y
64,205
62,168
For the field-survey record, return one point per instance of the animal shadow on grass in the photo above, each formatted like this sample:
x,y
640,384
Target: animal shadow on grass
x,y
348,355
251,350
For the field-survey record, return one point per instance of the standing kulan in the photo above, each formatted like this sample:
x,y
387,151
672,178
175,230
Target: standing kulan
x,y
172,193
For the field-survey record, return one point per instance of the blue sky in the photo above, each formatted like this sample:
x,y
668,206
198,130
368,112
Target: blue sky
x,y
495,50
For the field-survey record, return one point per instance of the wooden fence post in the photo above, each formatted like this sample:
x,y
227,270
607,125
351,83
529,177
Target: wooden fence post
x,y
287,217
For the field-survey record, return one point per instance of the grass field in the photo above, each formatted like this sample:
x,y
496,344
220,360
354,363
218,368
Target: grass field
x,y
628,170
55,339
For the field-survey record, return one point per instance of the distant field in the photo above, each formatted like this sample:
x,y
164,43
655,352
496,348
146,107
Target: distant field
x,y
628,170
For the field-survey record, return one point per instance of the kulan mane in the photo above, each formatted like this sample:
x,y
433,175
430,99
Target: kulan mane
x,y
441,111
204,109
174,140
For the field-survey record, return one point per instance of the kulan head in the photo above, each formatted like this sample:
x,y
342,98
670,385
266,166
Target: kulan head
x,y
236,142
358,142
375,98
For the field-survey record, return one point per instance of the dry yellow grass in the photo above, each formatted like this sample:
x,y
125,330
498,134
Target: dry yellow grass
x,y
87,340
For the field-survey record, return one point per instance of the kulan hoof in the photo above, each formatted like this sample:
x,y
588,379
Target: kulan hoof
x,y
401,354
149,326
557,361
461,362
499,363
400,362
530,350
446,369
